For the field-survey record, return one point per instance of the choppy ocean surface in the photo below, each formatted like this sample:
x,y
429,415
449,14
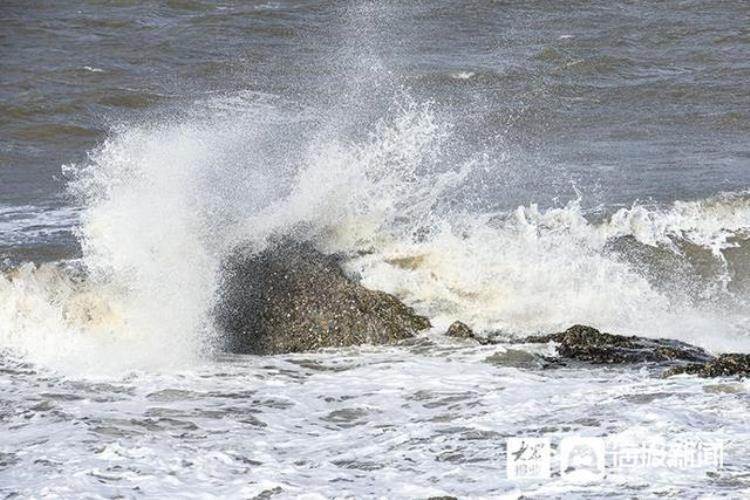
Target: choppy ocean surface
x,y
520,166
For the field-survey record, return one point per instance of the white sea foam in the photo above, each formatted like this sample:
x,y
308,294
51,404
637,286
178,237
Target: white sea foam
x,y
463,75
105,391
362,423
24,224
165,201
540,270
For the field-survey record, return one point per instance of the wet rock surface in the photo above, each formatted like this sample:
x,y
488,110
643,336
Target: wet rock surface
x,y
290,298
732,364
584,343
461,330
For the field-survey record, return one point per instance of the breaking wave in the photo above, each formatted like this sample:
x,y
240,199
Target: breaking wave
x,y
165,200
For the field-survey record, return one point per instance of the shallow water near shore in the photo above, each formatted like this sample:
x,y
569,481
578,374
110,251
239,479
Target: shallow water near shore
x,y
364,422
518,166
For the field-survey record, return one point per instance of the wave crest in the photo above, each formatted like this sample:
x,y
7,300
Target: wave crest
x,y
165,201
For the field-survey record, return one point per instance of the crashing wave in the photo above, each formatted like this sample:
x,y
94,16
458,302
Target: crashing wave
x,y
166,201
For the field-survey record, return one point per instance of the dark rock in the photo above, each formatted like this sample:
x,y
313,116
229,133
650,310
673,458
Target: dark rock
x,y
460,330
588,344
725,365
291,298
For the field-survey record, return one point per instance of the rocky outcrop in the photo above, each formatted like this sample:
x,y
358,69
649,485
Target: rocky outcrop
x,y
291,298
732,364
584,343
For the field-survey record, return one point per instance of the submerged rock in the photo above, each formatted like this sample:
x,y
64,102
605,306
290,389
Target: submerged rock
x,y
518,358
585,343
291,298
723,366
